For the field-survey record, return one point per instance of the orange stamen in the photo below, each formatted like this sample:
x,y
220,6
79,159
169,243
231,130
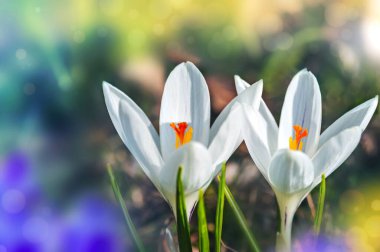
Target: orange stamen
x,y
296,144
181,135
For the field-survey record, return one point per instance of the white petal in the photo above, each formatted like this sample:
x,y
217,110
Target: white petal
x,y
291,171
227,136
240,84
335,151
251,96
252,93
255,135
302,106
139,140
113,96
271,126
185,99
197,172
358,116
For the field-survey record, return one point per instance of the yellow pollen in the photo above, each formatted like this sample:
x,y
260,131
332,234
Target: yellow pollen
x,y
181,135
296,144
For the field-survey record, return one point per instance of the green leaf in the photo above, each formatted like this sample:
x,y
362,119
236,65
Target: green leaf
x,y
321,204
183,227
220,209
204,244
241,220
127,217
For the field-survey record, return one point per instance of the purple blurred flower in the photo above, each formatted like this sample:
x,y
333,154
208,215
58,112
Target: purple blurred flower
x,y
29,224
16,179
93,225
323,243
24,220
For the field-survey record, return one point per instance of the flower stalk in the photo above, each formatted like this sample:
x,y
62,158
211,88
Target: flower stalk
x,y
321,204
241,220
127,217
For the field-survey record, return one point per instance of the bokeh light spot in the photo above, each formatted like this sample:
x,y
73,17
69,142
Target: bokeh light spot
x,y
137,37
111,8
33,224
217,47
13,201
371,37
29,89
102,32
352,202
280,41
230,33
158,29
160,9
375,205
372,226
21,54
133,13
137,197
79,37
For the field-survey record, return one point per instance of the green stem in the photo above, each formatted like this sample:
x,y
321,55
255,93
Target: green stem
x,y
241,220
183,227
204,243
127,217
220,210
284,237
321,204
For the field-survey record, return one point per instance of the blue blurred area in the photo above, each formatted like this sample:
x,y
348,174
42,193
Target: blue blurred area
x,y
30,223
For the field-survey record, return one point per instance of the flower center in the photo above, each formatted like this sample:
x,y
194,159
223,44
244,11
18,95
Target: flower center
x,y
296,143
181,135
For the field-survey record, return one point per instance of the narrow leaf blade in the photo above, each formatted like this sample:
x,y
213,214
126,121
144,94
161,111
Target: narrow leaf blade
x,y
321,204
204,243
183,227
127,217
220,210
241,220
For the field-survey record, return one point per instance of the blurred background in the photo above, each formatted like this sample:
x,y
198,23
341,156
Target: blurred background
x,y
56,136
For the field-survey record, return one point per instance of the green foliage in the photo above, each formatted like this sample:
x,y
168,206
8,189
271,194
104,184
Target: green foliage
x,y
204,244
241,220
321,204
127,217
183,227
220,209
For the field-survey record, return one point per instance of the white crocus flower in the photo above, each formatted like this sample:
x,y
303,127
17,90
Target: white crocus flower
x,y
185,136
293,156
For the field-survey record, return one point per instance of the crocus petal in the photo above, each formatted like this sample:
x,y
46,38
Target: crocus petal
x,y
113,96
185,99
240,84
335,151
255,135
302,106
227,137
358,116
290,171
225,134
272,127
197,172
252,93
139,140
